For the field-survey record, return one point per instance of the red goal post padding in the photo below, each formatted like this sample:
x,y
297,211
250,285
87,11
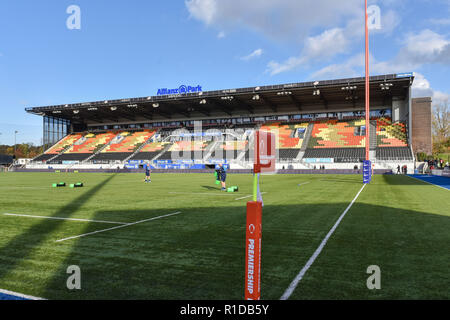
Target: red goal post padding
x,y
264,152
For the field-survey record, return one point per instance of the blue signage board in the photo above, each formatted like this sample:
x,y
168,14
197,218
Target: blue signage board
x,y
367,171
405,75
180,90
318,160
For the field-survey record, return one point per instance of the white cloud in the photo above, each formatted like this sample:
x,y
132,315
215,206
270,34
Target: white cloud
x,y
333,42
341,22
278,19
422,88
327,44
440,22
350,68
255,54
274,67
204,10
221,35
425,47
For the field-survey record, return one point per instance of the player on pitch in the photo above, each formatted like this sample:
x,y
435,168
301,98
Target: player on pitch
x,y
222,175
147,172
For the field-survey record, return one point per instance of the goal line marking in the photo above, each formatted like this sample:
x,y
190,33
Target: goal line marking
x,y
311,260
248,196
60,218
118,227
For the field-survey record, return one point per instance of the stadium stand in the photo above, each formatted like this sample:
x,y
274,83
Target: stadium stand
x,y
85,147
151,150
343,141
290,138
338,154
338,134
124,145
185,149
391,134
394,153
63,144
308,131
59,147
44,157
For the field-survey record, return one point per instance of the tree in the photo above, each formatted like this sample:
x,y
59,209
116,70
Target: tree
x,y
441,127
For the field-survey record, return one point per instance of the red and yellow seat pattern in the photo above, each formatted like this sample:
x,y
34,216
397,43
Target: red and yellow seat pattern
x,y
130,141
64,143
391,134
188,146
91,143
286,137
337,134
154,146
234,145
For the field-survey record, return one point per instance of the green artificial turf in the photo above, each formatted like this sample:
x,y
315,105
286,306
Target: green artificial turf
x,y
398,223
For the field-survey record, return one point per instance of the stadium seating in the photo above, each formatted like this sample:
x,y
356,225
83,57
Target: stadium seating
x,y
342,141
124,145
90,143
338,154
128,142
391,134
288,135
228,149
185,149
337,134
85,147
59,147
394,153
63,144
43,157
289,140
151,150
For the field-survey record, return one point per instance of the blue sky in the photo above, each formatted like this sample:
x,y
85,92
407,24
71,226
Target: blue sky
x,y
131,48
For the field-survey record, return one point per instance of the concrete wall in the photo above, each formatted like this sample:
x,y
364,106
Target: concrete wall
x,y
399,110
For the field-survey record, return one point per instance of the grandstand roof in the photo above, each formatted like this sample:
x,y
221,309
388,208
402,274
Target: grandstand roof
x,y
294,98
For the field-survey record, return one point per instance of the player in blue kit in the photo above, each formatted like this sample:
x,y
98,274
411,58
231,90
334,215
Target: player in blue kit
x,y
147,172
222,175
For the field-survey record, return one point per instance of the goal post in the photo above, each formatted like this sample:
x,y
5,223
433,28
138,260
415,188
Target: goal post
x,y
264,161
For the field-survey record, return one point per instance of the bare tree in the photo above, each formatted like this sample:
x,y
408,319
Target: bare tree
x,y
441,124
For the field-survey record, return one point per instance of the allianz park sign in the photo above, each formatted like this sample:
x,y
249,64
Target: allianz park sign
x,y
181,90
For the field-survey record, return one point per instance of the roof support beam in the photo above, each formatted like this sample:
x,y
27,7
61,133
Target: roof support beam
x,y
225,108
297,103
199,108
269,103
245,104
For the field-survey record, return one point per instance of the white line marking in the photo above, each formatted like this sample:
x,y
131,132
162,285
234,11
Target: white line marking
x,y
21,187
58,218
248,196
199,193
113,228
301,184
428,182
311,260
20,295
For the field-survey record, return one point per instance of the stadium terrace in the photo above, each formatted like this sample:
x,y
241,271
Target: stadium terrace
x,y
318,124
